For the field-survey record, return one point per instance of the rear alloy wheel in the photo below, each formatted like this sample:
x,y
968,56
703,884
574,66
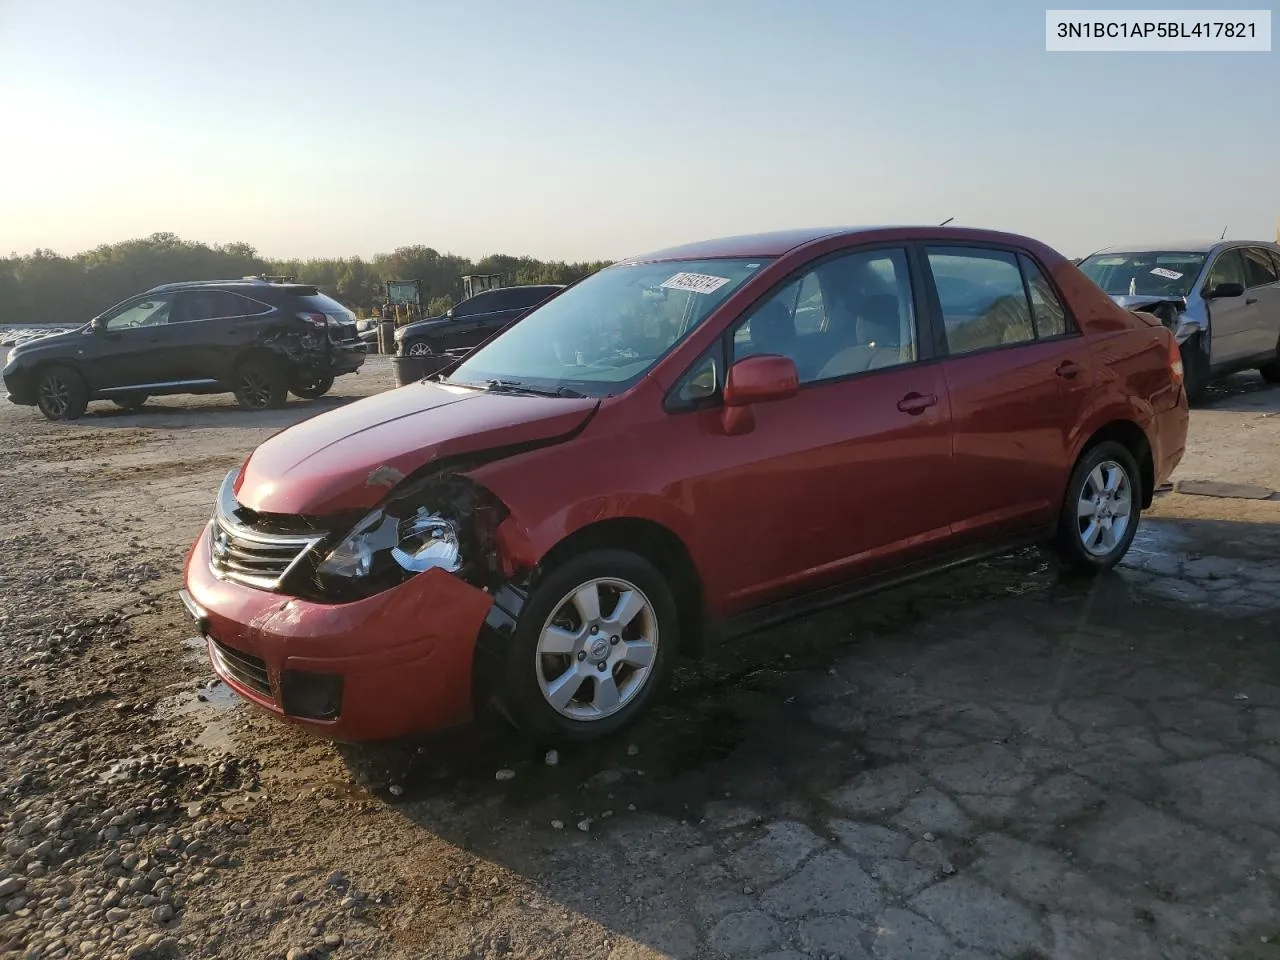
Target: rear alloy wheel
x,y
1100,516
130,403
259,385
312,388
419,348
61,394
592,647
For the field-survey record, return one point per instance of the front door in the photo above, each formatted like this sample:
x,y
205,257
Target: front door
x,y
1262,297
850,476
1018,374
1230,318
133,345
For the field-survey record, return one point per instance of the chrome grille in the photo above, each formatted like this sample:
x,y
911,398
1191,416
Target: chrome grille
x,y
245,669
253,557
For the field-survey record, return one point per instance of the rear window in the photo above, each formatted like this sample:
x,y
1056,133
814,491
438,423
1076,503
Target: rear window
x,y
326,305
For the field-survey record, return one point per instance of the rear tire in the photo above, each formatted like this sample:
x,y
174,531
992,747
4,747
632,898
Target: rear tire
x,y
130,403
1195,368
571,676
260,385
313,388
61,393
1101,510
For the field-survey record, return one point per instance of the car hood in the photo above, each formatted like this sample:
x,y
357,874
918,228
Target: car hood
x,y
42,341
420,326
1135,302
351,457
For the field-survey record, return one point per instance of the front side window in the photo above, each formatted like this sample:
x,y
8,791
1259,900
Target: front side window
x,y
480,303
1258,268
982,299
1228,268
847,315
1151,273
150,312
603,334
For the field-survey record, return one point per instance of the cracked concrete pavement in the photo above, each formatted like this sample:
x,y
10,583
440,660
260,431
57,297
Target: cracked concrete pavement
x,y
997,763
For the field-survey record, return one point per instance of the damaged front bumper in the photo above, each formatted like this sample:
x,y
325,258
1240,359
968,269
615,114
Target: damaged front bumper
x,y
395,664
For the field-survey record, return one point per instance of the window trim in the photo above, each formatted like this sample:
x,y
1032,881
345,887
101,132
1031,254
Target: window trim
x,y
1264,253
925,347
935,305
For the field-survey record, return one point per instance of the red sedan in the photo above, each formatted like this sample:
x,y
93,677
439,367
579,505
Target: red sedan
x,y
683,446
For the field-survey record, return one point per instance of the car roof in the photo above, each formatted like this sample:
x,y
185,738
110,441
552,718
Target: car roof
x,y
779,242
1184,246
241,282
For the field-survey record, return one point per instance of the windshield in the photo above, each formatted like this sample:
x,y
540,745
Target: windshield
x,y
1163,273
603,334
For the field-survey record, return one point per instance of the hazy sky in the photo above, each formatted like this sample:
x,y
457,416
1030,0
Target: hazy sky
x,y
599,128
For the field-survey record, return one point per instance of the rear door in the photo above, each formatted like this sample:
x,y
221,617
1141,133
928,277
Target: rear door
x,y
1019,375
215,326
1230,318
1262,298
850,476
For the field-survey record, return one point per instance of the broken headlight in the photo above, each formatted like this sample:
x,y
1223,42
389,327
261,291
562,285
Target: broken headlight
x,y
445,523
417,542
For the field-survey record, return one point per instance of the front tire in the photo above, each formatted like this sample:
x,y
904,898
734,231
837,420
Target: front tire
x,y
312,388
594,645
61,394
260,385
1101,511
1271,371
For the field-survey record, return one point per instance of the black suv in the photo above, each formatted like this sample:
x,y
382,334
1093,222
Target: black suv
x,y
471,322
259,338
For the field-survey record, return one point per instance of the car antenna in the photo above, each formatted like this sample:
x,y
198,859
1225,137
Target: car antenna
x,y
1224,233
946,221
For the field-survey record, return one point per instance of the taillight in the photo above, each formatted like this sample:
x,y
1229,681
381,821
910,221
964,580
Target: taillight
x,y
318,320
1175,361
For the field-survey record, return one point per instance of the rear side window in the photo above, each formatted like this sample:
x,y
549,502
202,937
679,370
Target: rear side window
x,y
983,302
530,296
1047,312
213,305
320,303
1258,268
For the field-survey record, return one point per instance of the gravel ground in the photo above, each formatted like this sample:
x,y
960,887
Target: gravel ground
x,y
991,764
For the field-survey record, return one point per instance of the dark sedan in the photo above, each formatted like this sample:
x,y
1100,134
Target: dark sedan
x,y
471,322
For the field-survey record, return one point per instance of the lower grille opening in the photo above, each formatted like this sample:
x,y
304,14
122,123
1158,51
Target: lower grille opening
x,y
245,669
312,696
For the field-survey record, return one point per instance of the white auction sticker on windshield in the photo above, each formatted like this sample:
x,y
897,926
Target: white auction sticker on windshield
x,y
1167,274
695,282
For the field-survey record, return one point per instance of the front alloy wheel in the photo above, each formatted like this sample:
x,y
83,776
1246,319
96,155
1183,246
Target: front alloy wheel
x,y
419,348
597,649
593,645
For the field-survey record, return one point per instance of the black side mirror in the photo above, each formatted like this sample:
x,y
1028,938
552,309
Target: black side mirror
x,y
97,325
1224,290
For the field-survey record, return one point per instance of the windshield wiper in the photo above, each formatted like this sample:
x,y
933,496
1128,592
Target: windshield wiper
x,y
515,386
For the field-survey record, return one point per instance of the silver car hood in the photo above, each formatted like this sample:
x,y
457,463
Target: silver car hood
x,y
1141,300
